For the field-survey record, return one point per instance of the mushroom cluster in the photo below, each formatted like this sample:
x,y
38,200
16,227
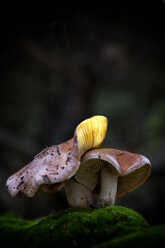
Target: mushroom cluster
x,y
82,168
54,165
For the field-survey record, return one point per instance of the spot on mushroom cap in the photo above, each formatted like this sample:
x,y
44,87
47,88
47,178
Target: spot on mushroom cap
x,y
91,132
132,169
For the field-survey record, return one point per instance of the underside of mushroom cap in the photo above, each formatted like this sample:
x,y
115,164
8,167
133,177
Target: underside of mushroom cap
x,y
132,169
91,132
52,188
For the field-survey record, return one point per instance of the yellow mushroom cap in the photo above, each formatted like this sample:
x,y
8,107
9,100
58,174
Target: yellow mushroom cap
x,y
91,132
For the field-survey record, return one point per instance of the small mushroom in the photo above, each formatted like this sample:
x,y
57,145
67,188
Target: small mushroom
x,y
108,173
56,164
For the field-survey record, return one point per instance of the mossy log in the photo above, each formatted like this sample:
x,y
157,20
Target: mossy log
x,y
71,228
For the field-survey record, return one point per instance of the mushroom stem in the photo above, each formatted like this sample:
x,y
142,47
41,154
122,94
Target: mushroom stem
x,y
108,183
77,194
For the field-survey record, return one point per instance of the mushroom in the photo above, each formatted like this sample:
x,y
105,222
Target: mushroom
x,y
56,164
108,173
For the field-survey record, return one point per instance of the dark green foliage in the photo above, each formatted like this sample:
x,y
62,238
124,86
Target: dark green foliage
x,y
150,238
72,227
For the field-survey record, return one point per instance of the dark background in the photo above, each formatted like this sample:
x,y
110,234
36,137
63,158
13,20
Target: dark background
x,y
63,64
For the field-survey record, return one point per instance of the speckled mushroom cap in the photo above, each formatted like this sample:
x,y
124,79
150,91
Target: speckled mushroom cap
x,y
132,169
58,163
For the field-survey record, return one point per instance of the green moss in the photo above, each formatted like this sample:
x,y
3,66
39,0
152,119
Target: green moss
x,y
12,229
72,227
150,238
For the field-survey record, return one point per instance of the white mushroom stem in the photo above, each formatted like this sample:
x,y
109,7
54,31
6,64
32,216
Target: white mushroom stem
x,y
77,194
108,184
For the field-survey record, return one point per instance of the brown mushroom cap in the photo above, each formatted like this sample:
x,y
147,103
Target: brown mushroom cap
x,y
132,169
58,163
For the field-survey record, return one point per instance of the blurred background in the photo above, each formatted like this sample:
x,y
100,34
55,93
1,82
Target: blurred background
x,y
64,64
